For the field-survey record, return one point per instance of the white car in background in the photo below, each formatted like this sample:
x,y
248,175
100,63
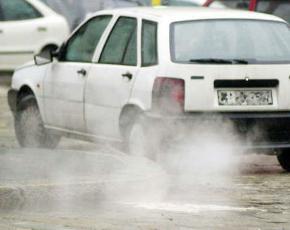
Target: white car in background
x,y
28,27
126,74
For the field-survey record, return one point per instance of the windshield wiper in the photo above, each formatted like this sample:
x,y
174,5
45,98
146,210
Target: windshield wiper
x,y
240,61
218,61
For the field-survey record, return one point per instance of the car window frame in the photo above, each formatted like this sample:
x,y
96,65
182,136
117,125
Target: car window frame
x,y
117,18
63,49
156,39
3,19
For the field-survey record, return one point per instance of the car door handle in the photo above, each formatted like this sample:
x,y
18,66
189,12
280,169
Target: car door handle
x,y
41,29
127,75
1,31
82,72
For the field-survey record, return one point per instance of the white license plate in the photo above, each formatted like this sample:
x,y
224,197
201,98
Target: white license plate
x,y
245,97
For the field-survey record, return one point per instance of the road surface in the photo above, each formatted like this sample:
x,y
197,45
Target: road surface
x,y
84,186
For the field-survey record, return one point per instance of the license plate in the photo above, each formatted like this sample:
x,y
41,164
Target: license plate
x,y
245,97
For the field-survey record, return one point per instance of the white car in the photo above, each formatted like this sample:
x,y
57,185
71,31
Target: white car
x,y
28,27
124,73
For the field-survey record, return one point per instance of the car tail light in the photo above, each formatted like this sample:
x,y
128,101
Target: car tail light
x,y
168,95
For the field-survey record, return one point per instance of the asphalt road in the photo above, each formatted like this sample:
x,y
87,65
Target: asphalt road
x,y
84,186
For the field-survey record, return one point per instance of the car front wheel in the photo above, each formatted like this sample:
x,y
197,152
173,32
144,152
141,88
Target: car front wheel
x,y
29,128
284,159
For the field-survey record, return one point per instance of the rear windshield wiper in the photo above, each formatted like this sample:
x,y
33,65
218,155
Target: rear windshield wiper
x,y
240,61
218,61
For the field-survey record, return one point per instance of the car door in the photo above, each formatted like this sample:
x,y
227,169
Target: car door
x,y
20,24
66,78
110,80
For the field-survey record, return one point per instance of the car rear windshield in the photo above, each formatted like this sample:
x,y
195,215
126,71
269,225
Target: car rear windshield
x,y
246,41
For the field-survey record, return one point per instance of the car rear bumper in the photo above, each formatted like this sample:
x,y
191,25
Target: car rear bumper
x,y
256,130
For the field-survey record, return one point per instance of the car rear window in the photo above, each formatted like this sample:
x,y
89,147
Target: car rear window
x,y
254,41
149,43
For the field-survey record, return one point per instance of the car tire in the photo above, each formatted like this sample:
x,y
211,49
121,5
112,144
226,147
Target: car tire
x,y
143,139
29,129
284,159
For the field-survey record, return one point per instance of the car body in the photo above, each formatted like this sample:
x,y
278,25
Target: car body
x,y
125,68
280,8
27,27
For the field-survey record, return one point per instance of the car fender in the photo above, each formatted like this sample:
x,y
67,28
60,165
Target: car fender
x,y
31,76
136,102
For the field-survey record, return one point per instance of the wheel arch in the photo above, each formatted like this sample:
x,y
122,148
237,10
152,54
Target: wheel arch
x,y
24,91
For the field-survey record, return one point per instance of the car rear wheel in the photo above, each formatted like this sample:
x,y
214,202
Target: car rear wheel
x,y
143,139
29,128
284,159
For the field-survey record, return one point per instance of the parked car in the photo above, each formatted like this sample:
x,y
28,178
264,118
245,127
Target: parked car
x,y
26,28
280,8
75,11
123,74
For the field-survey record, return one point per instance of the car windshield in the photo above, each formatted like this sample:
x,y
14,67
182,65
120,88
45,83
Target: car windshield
x,y
230,42
280,8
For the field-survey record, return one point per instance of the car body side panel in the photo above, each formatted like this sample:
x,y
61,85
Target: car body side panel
x,y
107,96
32,77
64,95
142,91
107,92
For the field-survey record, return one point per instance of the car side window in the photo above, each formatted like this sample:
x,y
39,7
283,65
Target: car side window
x,y
121,46
149,43
14,10
81,47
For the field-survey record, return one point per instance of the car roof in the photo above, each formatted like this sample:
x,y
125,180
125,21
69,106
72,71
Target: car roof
x,y
191,13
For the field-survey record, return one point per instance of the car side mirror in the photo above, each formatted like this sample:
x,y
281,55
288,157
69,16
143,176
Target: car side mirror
x,y
44,57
